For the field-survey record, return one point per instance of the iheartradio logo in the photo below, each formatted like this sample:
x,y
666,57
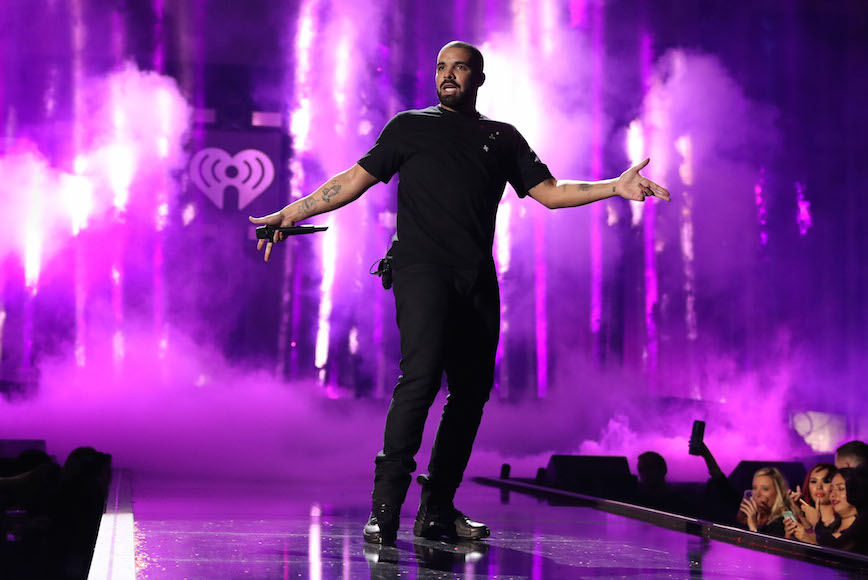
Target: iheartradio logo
x,y
213,170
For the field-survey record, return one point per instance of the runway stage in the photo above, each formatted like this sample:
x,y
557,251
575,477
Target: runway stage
x,y
219,529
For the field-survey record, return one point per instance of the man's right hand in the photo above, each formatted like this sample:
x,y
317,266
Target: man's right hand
x,y
277,219
342,189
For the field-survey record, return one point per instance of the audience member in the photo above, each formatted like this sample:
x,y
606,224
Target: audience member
x,y
815,494
652,490
849,530
721,499
763,511
852,454
652,471
804,530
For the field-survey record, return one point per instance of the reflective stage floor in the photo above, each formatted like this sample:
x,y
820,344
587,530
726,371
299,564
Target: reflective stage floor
x,y
215,530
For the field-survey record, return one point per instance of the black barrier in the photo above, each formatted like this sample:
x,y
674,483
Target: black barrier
x,y
594,475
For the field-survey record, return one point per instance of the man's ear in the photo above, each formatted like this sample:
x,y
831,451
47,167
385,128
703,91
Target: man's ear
x,y
481,80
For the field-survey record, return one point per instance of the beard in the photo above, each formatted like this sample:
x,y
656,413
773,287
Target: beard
x,y
453,101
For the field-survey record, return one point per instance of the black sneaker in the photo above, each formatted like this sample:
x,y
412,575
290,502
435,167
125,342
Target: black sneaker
x,y
434,523
382,526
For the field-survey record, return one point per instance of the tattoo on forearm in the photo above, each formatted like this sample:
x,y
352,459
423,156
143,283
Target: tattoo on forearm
x,y
308,204
584,186
613,189
331,190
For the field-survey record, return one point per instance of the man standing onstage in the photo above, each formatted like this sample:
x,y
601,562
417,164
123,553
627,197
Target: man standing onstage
x,y
453,164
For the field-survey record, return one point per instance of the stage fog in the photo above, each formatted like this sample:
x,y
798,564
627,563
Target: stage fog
x,y
137,317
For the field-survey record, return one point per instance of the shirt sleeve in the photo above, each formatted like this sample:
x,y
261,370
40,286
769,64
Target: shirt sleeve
x,y
386,156
528,171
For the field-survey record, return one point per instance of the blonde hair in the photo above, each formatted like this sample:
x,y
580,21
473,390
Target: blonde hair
x,y
782,501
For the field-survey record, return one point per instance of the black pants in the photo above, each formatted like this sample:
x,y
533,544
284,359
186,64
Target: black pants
x,y
449,320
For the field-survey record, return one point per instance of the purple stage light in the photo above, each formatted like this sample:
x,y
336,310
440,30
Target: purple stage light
x,y
502,256
549,13
761,207
2,308
503,237
121,167
299,107
158,61
33,247
651,288
578,12
596,136
657,127
314,546
79,193
540,306
684,145
804,210
537,562
329,264
635,153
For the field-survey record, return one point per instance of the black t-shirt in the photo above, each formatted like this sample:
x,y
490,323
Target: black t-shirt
x,y
453,170
853,539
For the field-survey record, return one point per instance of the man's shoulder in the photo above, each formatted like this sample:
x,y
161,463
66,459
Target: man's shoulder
x,y
427,112
405,120
435,112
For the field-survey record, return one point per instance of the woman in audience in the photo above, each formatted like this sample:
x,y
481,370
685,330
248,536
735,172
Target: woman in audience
x,y
849,530
763,511
815,494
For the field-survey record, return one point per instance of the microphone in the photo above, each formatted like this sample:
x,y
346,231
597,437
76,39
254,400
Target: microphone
x,y
267,232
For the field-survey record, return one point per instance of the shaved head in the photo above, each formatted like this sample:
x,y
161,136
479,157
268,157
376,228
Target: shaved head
x,y
852,454
477,63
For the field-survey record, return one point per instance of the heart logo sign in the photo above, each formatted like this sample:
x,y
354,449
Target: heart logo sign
x,y
213,170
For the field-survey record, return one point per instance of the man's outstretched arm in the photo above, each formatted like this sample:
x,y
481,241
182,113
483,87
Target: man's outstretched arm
x,y
554,193
338,191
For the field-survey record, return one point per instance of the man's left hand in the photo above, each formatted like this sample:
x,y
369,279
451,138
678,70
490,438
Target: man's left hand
x,y
634,187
